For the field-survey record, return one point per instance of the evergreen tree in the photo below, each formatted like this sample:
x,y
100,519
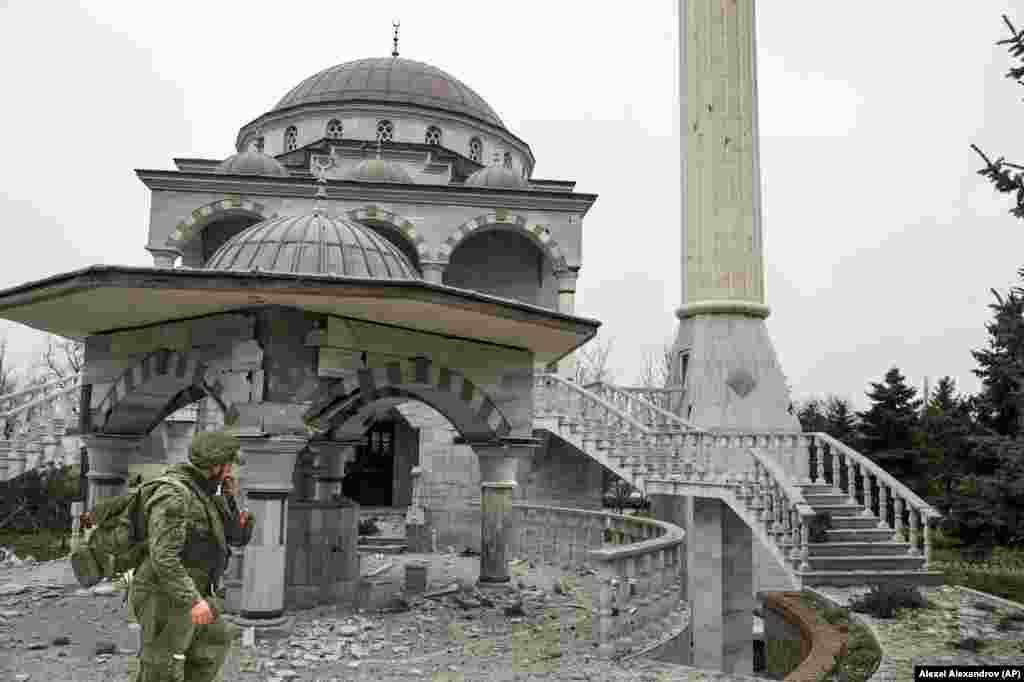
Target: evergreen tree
x,y
1006,181
943,399
840,420
887,429
811,415
1001,370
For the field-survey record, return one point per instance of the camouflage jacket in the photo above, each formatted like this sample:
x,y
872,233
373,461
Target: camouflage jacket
x,y
188,538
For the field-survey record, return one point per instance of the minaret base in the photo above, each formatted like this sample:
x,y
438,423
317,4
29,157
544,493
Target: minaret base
x,y
733,380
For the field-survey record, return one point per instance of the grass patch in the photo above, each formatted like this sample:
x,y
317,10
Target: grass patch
x,y
43,545
1001,575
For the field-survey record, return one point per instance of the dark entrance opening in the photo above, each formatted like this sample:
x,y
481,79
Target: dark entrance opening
x,y
369,478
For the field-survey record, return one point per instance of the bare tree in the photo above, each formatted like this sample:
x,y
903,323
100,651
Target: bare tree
x,y
592,362
62,358
657,369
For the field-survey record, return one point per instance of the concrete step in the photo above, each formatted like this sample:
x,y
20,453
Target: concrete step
x,y
865,563
817,499
818,489
837,510
848,578
863,548
382,544
872,534
854,522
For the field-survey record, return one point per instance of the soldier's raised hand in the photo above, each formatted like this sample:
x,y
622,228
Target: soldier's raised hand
x,y
202,614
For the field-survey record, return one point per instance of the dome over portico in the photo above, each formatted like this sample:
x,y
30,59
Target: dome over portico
x,y
313,244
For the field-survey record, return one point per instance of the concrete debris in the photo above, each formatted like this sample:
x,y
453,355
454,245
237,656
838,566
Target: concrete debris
x,y
380,569
11,589
450,589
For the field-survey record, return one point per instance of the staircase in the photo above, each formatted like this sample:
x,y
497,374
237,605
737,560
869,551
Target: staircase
x,y
776,482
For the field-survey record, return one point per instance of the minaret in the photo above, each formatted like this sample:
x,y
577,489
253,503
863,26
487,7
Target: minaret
x,y
732,376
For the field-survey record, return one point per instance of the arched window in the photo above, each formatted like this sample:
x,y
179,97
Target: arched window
x,y
334,129
258,144
508,160
291,138
385,131
433,135
684,365
476,149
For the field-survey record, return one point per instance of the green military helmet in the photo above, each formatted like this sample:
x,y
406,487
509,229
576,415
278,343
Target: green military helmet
x,y
211,448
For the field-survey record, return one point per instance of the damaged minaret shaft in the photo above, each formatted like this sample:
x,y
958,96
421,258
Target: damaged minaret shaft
x,y
724,357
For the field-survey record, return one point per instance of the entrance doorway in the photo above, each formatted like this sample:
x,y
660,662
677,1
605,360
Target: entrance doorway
x,y
369,477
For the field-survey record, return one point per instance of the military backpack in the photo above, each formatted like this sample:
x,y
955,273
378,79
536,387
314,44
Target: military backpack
x,y
117,543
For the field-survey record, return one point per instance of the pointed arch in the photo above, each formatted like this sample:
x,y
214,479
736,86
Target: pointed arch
x,y
470,410
506,220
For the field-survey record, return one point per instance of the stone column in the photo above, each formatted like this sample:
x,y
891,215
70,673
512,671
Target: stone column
x,y
109,458
433,271
567,305
269,464
720,587
499,462
331,457
16,458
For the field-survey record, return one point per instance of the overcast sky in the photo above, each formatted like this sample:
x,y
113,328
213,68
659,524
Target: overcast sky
x,y
881,241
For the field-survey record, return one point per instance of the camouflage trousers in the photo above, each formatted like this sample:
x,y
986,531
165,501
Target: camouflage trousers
x,y
173,648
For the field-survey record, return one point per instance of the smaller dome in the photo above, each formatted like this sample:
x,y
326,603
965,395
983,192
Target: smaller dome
x,y
378,170
252,163
499,176
313,244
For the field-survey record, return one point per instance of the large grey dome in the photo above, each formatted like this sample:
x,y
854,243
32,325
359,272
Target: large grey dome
x,y
393,80
252,163
313,244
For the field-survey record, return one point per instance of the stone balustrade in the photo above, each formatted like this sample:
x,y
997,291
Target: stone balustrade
x,y
637,563
838,464
651,406
33,426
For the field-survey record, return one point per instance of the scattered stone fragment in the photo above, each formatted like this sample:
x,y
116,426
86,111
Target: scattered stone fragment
x,y
11,589
38,645
515,610
105,648
348,630
105,590
61,640
10,614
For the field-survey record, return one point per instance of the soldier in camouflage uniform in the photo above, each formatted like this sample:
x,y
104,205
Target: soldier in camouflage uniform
x,y
174,593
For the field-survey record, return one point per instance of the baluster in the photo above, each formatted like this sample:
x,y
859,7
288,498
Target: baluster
x,y
913,533
927,540
869,495
794,538
898,519
851,478
803,445
883,504
804,547
816,470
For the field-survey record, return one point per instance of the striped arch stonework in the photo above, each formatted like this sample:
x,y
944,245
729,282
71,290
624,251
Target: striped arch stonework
x,y
161,373
447,390
204,215
407,229
535,232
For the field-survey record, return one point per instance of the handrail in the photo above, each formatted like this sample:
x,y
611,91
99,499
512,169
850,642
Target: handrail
x,y
601,401
906,493
647,404
793,493
56,382
36,403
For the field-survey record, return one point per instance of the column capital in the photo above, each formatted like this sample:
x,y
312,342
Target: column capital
x,y
269,462
331,447
433,271
499,460
110,455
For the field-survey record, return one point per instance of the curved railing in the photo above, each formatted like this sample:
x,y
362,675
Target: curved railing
x,y
34,424
637,563
9,402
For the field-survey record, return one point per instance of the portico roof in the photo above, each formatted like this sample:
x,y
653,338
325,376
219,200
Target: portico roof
x,y
101,299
